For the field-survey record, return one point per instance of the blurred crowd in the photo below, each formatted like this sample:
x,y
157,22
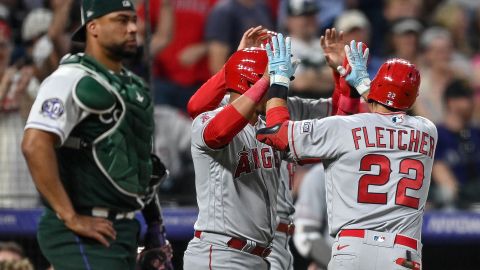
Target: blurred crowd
x,y
189,40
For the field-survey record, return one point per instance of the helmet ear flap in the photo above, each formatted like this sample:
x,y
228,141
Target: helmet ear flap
x,y
396,84
244,68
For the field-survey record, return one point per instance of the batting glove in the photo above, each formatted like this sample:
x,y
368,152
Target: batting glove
x,y
358,76
280,65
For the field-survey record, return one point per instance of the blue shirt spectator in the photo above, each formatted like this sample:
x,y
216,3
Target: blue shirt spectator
x,y
456,169
226,24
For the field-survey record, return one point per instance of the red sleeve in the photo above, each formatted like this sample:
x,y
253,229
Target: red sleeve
x,y
208,96
346,104
223,127
336,92
277,115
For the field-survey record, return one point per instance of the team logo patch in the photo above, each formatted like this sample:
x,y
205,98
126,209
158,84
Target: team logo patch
x,y
306,127
53,108
379,238
397,119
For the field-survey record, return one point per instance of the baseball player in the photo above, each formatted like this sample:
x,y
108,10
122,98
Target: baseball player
x,y
311,237
88,144
236,176
210,95
378,165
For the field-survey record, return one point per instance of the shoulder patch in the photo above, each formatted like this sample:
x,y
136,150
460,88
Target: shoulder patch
x,y
53,108
93,96
306,127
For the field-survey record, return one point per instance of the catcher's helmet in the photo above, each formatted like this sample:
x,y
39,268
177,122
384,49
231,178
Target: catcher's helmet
x,y
396,84
244,68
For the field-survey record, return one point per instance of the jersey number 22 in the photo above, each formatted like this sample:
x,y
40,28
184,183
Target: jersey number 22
x,y
401,197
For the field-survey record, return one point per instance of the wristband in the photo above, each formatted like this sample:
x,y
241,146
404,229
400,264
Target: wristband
x,y
277,91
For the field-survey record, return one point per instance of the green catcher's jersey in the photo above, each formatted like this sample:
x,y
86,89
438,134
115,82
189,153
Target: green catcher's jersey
x,y
105,125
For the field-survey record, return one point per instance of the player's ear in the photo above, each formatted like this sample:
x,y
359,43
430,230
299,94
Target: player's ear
x,y
92,28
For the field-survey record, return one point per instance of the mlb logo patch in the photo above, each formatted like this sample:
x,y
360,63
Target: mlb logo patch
x,y
397,119
379,238
306,127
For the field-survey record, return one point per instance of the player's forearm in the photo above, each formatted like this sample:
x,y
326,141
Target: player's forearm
x,y
38,149
208,96
277,110
233,118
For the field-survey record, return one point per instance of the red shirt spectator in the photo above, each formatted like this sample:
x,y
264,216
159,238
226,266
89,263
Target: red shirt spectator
x,y
172,63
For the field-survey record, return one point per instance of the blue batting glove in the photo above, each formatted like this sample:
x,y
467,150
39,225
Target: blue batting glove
x,y
358,76
280,65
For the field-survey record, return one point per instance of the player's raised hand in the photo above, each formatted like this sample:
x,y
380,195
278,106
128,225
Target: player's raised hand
x,y
255,37
333,47
280,65
92,227
357,59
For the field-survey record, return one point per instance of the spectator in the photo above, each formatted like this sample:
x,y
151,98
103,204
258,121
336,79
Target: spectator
x,y
393,10
405,39
12,257
475,78
16,91
456,170
453,17
356,26
313,78
10,251
180,67
328,11
23,264
43,31
440,65
227,22
397,9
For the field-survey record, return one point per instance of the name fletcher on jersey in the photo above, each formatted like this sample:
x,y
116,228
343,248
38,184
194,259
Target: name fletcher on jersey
x,y
411,140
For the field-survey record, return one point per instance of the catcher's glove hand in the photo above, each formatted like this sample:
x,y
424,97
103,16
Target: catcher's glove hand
x,y
156,258
158,252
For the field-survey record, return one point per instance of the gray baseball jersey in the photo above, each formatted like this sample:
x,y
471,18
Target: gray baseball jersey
x,y
311,238
236,185
377,166
299,108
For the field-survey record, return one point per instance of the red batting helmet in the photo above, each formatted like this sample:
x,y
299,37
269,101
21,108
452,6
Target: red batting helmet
x,y
396,84
244,68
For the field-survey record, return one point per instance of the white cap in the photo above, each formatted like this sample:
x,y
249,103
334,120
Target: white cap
x,y
351,19
36,23
406,25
